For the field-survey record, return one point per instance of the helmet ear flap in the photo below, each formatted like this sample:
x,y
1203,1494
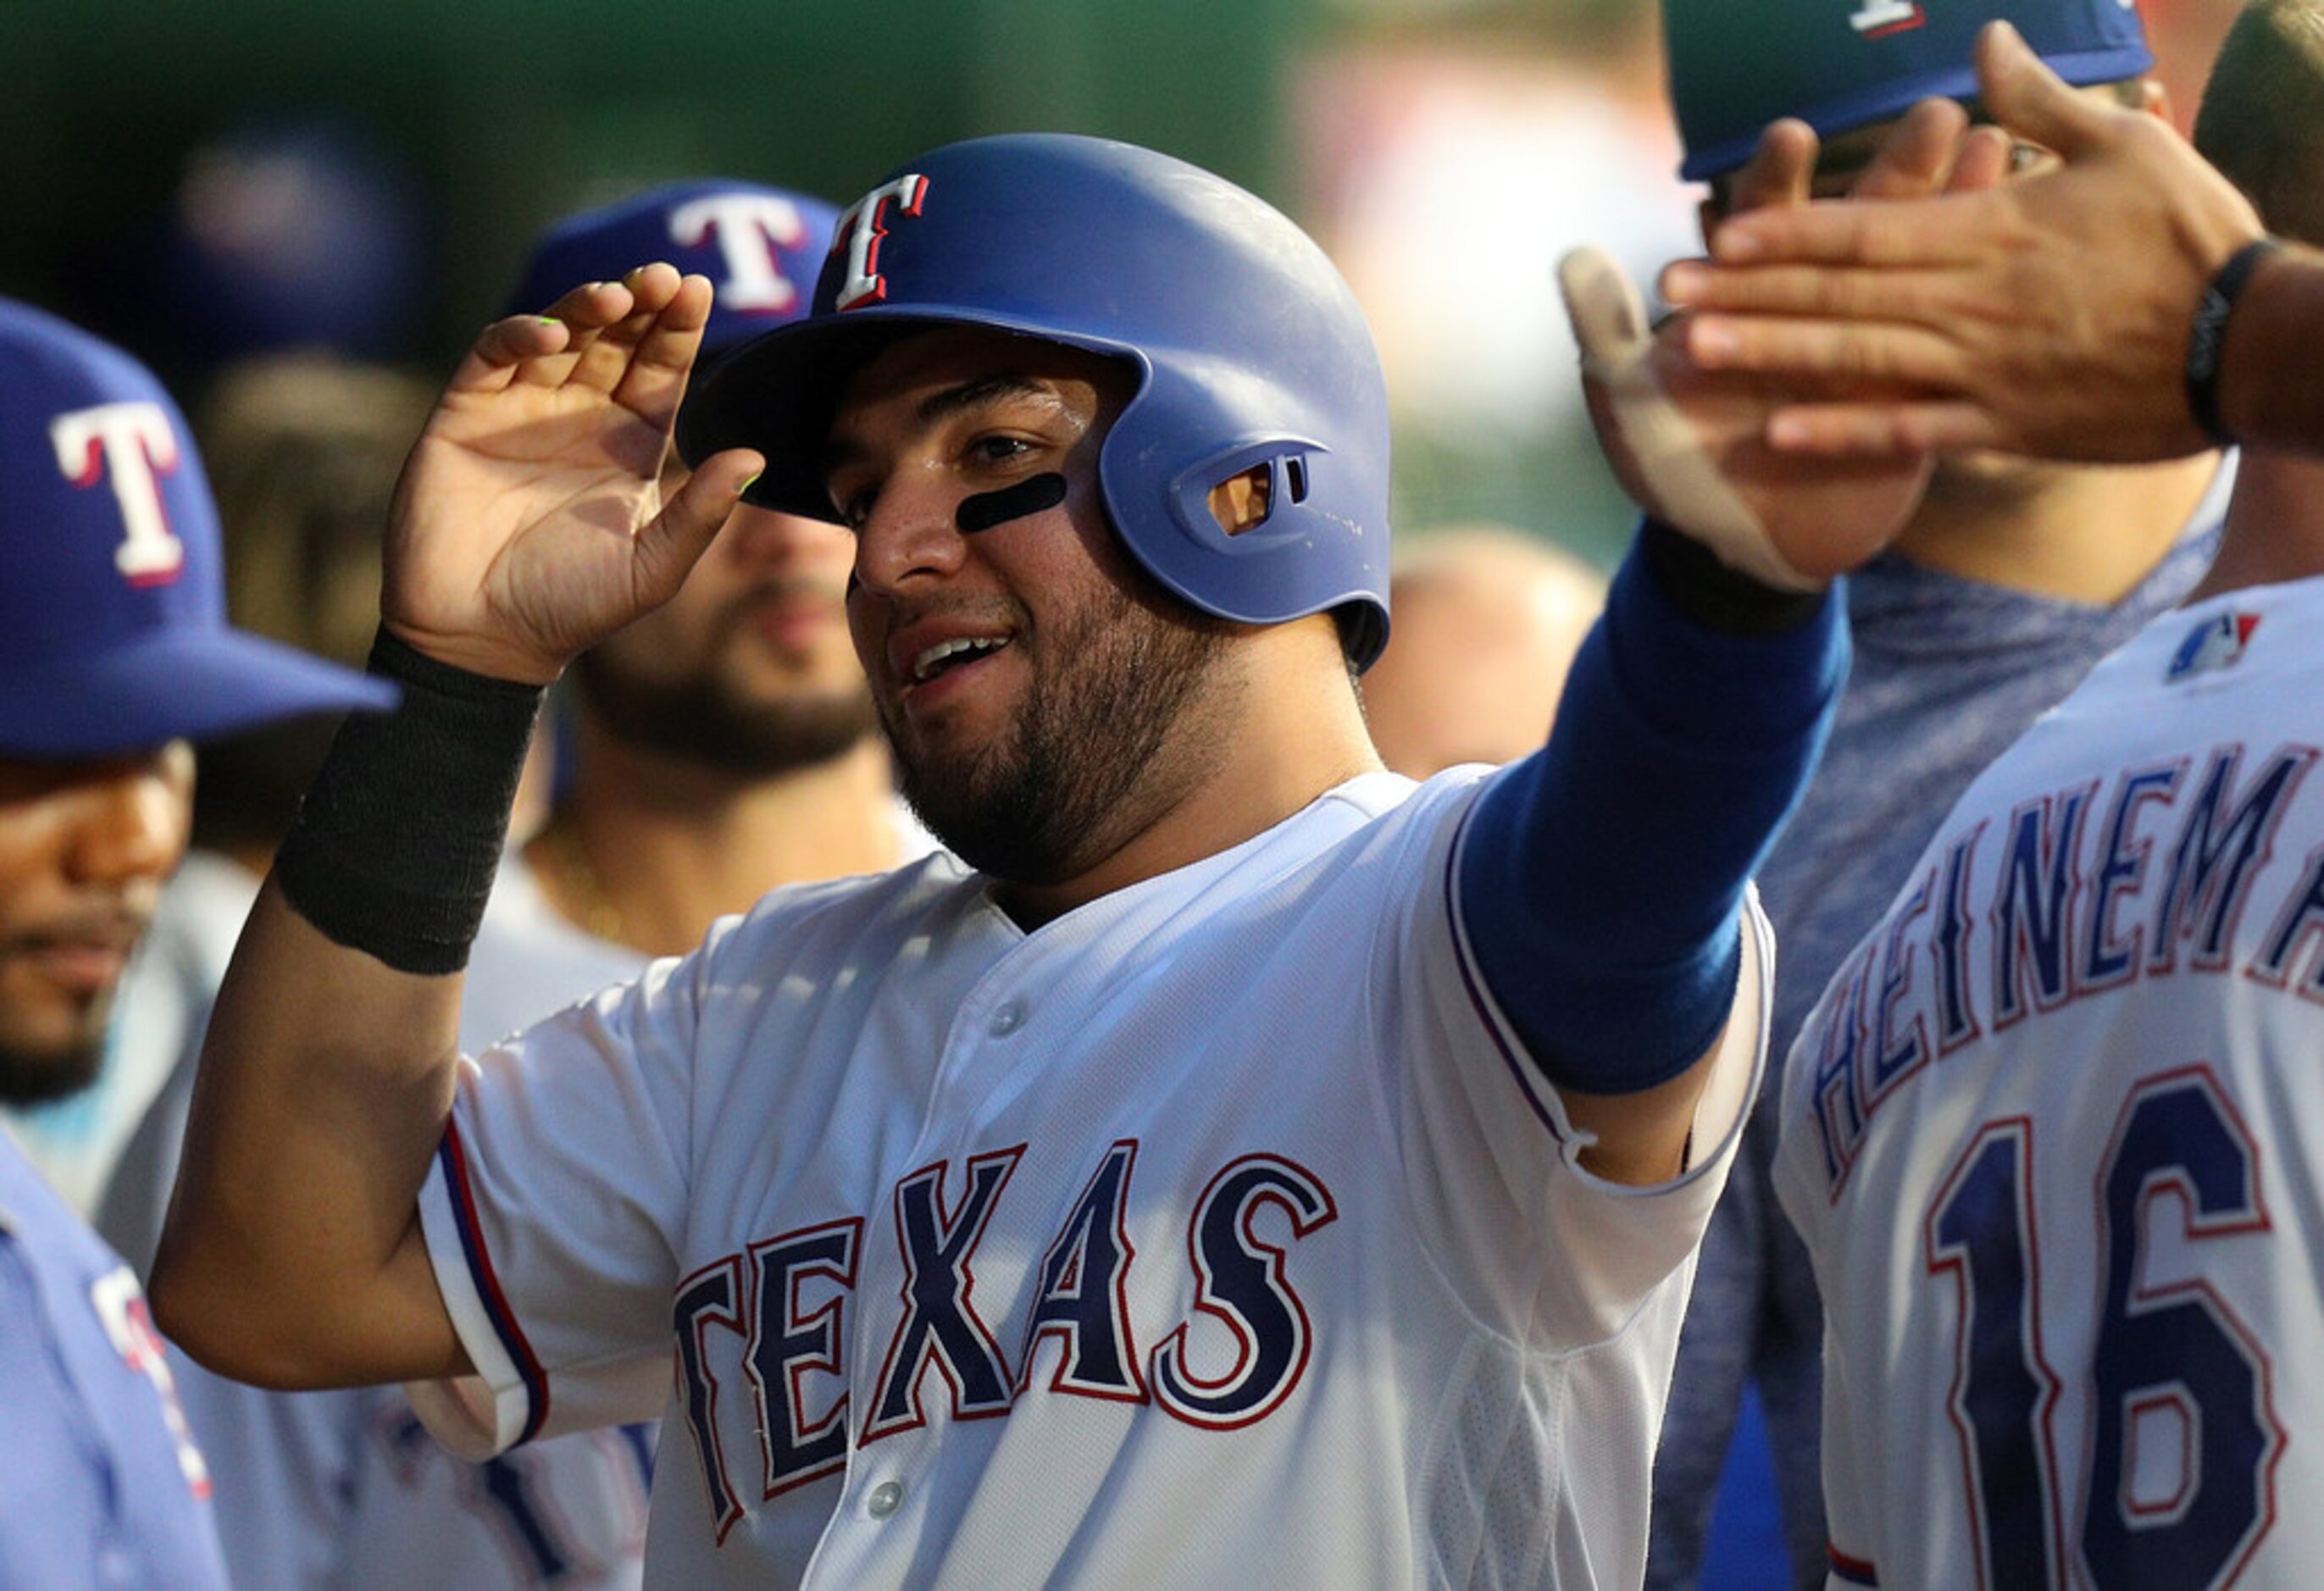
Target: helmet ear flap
x,y
1277,474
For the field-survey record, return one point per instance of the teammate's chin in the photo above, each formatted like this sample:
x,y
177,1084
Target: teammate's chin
x,y
1080,765
37,1076
704,720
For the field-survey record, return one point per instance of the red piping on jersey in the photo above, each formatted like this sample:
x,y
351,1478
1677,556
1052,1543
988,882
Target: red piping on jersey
x,y
1856,1571
488,1285
1520,1068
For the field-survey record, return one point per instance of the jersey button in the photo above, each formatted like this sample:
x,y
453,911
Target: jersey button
x,y
1007,1019
885,1499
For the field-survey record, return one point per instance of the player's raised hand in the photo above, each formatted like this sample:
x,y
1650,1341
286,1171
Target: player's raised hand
x,y
1688,443
529,523
2049,315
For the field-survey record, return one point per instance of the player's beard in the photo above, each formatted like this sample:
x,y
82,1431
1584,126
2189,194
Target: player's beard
x,y
704,719
28,1079
1096,751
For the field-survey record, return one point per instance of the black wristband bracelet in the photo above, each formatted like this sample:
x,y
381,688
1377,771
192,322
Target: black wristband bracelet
x,y
2207,341
395,846
1715,596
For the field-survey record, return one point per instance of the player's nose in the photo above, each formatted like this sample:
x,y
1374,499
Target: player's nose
x,y
129,820
910,535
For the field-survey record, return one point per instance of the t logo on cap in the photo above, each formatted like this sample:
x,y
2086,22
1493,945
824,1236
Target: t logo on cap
x,y
750,227
129,442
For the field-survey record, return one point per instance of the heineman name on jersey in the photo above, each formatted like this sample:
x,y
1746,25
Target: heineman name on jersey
x,y
2100,884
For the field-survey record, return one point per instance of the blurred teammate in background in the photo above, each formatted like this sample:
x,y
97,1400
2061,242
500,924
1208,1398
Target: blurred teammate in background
x,y
114,652
724,747
2058,1181
1487,622
2009,581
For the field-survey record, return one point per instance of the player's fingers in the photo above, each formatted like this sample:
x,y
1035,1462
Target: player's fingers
x,y
649,289
1780,172
587,312
1982,161
674,539
1898,430
1828,350
2027,97
1910,296
1917,156
1609,319
663,357
503,347
1839,231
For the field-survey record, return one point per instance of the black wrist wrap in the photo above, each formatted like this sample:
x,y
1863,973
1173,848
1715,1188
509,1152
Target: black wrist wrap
x,y
2207,340
1720,599
394,848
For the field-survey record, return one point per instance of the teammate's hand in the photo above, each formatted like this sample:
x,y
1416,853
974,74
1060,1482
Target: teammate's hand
x,y
528,522
2049,315
1688,444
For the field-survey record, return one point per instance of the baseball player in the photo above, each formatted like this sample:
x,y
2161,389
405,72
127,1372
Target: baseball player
x,y
2026,351
115,650
1240,1166
2009,581
725,746
2050,1133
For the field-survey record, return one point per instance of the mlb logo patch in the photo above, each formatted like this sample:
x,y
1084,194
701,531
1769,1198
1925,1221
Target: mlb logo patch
x,y
2215,644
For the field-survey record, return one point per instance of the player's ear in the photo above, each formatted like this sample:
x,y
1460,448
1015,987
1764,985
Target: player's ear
x,y
2154,99
1240,502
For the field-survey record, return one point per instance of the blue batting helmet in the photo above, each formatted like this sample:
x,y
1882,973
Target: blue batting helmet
x,y
1248,348
1839,65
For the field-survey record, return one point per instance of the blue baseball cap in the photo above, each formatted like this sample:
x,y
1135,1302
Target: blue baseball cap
x,y
761,247
1839,65
113,631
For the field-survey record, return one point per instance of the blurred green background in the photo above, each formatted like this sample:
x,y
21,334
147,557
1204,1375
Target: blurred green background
x,y
151,187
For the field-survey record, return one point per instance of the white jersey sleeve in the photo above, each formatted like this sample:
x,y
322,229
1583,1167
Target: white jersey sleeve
x,y
1463,1079
600,1096
2053,1137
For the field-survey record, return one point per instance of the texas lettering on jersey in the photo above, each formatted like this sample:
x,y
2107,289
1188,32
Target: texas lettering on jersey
x,y
787,1298
2101,885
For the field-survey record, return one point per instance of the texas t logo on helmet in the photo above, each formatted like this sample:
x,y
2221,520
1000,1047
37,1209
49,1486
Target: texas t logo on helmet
x,y
860,231
125,445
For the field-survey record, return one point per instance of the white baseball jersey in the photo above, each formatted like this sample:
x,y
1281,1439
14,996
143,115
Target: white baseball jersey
x,y
2055,1139
1215,1233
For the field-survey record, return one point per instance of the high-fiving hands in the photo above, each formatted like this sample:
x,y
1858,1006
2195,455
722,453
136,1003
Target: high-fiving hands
x,y
529,522
1688,443
2047,316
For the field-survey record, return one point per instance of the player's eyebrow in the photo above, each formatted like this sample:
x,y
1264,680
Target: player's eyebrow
x,y
943,404
983,389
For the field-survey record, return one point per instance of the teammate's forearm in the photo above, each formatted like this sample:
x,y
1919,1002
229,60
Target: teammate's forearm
x,y
1603,878
2272,371
290,1255
324,1084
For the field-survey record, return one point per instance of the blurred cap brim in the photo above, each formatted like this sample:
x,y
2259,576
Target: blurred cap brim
x,y
193,683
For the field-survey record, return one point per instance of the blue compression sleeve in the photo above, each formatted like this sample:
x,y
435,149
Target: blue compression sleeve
x,y
1602,877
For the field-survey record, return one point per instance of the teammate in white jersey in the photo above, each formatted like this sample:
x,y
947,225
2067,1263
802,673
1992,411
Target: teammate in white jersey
x,y
2053,1134
1242,1167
